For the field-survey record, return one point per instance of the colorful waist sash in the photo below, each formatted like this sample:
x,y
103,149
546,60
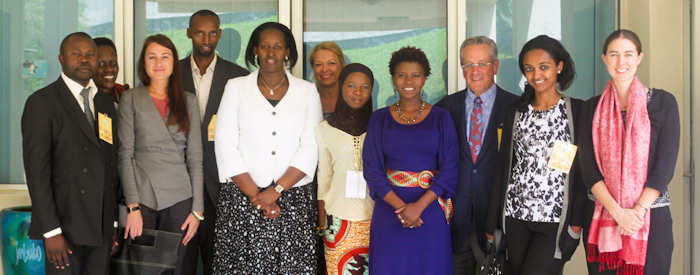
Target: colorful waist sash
x,y
419,179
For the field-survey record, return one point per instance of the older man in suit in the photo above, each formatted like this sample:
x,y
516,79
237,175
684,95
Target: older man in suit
x,y
69,133
205,74
478,112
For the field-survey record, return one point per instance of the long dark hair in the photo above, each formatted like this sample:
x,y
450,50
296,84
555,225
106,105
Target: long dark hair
x,y
176,93
289,43
555,50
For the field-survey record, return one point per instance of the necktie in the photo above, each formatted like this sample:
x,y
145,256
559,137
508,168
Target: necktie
x,y
475,129
86,103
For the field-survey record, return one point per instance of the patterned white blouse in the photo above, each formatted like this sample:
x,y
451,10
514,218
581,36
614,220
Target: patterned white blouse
x,y
535,191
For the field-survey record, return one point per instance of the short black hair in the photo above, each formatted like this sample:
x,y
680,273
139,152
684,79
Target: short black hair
x,y
204,13
104,41
289,43
409,54
65,40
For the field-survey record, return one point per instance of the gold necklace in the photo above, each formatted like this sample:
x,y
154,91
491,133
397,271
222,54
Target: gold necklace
x,y
268,87
409,121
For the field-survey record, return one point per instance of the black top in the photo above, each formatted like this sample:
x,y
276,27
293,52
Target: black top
x,y
274,102
663,147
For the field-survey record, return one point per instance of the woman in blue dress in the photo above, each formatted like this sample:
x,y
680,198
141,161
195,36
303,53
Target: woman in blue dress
x,y
410,163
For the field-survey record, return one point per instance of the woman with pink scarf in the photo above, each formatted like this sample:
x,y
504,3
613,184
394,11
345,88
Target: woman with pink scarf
x,y
628,149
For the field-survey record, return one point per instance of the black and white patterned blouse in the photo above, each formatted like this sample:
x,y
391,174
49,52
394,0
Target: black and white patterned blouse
x,y
535,191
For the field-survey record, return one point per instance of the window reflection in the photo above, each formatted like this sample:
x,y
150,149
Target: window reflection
x,y
581,25
30,36
238,20
368,31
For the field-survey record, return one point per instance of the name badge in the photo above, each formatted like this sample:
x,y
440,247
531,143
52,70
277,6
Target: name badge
x,y
211,128
562,157
500,133
105,128
355,185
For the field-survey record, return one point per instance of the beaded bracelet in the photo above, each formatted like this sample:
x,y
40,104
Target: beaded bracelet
x,y
646,209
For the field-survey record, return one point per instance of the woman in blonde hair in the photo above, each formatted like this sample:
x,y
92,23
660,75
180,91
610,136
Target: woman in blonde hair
x,y
327,60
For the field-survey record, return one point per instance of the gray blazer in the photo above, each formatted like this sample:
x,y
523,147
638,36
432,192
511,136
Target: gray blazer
x,y
158,165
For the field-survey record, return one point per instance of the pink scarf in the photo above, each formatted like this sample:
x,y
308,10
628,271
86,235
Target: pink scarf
x,y
622,154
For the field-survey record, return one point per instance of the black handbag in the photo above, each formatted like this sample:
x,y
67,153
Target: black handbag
x,y
495,261
152,253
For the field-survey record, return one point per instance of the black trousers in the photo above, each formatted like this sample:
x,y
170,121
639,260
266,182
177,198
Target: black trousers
x,y
469,259
202,242
85,260
659,245
169,219
531,248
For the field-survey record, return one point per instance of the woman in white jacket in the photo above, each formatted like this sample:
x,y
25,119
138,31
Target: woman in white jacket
x,y
266,153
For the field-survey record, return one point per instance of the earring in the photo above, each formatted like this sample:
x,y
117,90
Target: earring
x,y
422,95
395,96
558,72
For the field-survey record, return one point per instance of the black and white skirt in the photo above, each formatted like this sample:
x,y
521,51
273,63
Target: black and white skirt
x,y
249,243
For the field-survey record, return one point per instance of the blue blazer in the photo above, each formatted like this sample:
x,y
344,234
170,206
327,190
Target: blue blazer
x,y
475,179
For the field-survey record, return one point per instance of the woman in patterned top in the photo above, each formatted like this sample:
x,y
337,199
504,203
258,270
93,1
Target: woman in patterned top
x,y
630,137
539,207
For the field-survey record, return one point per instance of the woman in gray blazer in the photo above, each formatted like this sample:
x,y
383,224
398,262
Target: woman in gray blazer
x,y
160,156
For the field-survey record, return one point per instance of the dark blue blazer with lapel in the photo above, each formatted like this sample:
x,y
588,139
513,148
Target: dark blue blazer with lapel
x,y
475,179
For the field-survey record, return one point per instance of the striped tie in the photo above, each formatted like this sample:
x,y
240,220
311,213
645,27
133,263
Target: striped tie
x,y
86,103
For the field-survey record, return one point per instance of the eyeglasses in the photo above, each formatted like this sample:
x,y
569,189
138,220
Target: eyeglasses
x,y
479,65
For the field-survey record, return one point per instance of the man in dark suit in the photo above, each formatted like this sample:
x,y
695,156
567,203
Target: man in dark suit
x,y
478,112
69,139
204,74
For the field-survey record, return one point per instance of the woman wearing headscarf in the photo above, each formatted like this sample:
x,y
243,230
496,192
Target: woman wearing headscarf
x,y
348,206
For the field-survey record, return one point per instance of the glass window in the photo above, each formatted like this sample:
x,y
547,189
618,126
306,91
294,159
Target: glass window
x,y
581,26
369,31
237,18
30,36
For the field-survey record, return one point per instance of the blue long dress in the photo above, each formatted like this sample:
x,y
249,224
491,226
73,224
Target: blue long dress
x,y
428,145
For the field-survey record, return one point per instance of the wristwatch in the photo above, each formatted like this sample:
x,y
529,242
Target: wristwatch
x,y
132,209
278,188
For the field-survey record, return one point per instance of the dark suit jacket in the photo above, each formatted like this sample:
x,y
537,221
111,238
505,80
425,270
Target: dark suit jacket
x,y
223,71
71,173
475,180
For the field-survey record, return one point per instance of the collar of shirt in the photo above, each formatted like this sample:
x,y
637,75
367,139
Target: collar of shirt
x,y
75,88
195,69
487,97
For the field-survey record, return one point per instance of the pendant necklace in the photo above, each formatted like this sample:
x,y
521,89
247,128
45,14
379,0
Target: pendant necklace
x,y
268,87
409,121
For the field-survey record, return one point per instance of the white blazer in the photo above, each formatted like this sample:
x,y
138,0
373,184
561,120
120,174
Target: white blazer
x,y
252,136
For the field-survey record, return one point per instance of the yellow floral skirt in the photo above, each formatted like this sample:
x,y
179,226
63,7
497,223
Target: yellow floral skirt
x,y
347,246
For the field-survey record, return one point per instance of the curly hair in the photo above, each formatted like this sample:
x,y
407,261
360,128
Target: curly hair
x,y
409,54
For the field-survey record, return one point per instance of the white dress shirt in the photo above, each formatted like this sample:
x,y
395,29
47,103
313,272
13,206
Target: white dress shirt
x,y
202,83
75,88
254,137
